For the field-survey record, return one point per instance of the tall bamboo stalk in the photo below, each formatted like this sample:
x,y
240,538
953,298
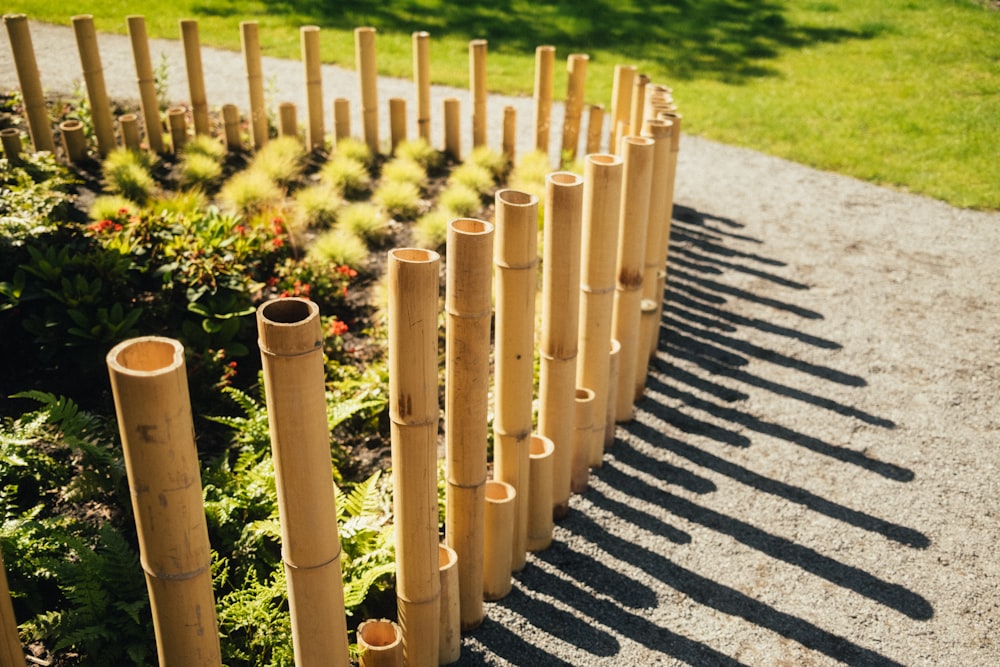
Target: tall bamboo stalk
x,y
413,413
288,122
636,183
250,41
11,138
584,427
516,261
595,127
477,90
364,56
602,195
291,347
397,121
149,102
380,644
671,177
545,59
560,324
31,85
452,127
468,304
540,494
195,76
177,121
93,77
621,99
149,384
422,82
11,651
315,129
576,67
341,118
509,138
231,126
128,128
638,104
449,632
501,509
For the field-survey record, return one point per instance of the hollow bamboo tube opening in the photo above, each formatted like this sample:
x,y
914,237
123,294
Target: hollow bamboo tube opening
x,y
128,128
195,76
500,510
452,127
149,103
93,76
450,647
364,55
250,42
516,261
609,415
477,90
560,324
576,66
177,120
545,59
315,128
468,303
288,122
231,127
636,186
341,118
291,344
621,99
422,82
540,494
380,644
595,127
73,140
11,143
149,384
397,121
508,141
584,422
11,651
413,415
31,85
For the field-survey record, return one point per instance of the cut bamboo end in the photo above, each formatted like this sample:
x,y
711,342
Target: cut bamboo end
x,y
312,65
498,535
11,139
231,126
195,75
31,85
341,118
128,128
613,373
380,644
288,123
73,140
540,493
450,642
545,57
452,127
422,82
397,121
364,55
584,425
177,120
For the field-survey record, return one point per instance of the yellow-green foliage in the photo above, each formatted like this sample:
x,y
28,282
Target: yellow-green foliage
x,y
460,201
317,205
200,170
349,175
404,170
106,207
127,173
250,191
186,202
474,177
400,199
203,144
365,221
490,159
339,246
282,159
431,230
421,152
355,149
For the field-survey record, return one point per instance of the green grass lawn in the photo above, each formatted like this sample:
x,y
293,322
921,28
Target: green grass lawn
x,y
899,92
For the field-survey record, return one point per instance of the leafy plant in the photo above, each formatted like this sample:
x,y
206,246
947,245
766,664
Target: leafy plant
x,y
400,199
34,197
127,173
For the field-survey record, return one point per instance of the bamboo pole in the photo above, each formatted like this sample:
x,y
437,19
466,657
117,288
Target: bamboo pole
x,y
614,366
149,384
638,105
540,493
584,422
73,140
128,128
250,41
364,55
413,413
509,138
477,90
291,347
380,644
93,76
341,118
636,184
231,127
177,120
595,127
621,99
559,343
545,58
11,138
195,76
315,129
671,177
661,132
422,82
516,262
149,102
498,534
397,121
452,128
11,651
288,122
468,304
649,329
31,84
602,184
450,646
576,68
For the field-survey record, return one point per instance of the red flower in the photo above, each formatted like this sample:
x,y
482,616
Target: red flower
x,y
277,242
338,328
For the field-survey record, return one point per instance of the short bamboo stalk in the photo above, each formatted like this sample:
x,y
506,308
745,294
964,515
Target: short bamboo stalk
x,y
499,531
153,407
477,90
93,76
341,118
291,345
312,64
636,184
73,140
508,141
452,128
516,261
149,102
559,344
195,76
364,55
30,82
595,127
422,82
397,121
468,304
11,138
614,365
621,100
601,210
380,644
11,651
649,329
413,414
128,128
576,67
584,422
177,121
450,643
545,58
540,494
231,127
250,41
288,123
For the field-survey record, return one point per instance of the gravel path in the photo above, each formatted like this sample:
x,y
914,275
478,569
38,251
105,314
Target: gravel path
x,y
811,476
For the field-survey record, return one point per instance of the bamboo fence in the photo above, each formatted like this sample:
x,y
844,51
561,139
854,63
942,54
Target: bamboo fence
x,y
29,79
148,100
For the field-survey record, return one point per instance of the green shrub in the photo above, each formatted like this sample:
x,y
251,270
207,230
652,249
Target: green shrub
x,y
34,196
250,191
349,175
420,152
127,173
400,199
281,159
474,177
106,207
365,221
355,149
318,205
490,159
431,229
200,170
339,246
460,201
404,170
